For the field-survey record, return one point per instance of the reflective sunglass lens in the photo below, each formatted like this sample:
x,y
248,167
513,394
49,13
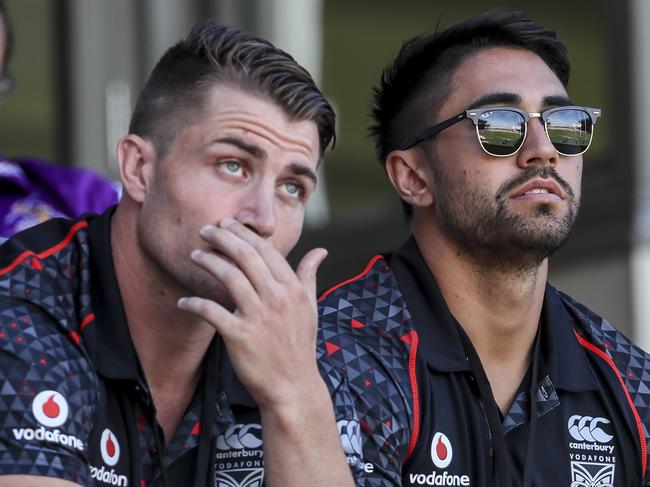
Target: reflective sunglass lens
x,y
501,132
569,131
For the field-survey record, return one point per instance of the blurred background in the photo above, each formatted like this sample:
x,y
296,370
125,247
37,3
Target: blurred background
x,y
79,65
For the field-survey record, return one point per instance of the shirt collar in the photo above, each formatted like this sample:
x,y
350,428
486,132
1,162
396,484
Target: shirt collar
x,y
110,345
441,345
566,360
109,341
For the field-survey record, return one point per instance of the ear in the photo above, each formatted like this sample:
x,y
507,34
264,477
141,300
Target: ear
x,y
136,157
409,178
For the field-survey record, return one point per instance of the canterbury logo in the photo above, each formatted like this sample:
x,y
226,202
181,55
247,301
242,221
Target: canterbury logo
x,y
587,428
240,436
350,434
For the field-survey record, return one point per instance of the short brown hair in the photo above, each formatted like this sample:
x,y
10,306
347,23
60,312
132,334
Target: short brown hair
x,y
213,54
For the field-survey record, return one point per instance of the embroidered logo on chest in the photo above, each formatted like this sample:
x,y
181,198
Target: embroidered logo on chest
x,y
239,461
591,452
109,448
442,453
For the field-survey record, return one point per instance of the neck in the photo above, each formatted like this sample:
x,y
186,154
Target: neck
x,y
498,306
170,343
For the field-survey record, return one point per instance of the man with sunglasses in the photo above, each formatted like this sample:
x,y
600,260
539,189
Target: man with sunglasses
x,y
467,367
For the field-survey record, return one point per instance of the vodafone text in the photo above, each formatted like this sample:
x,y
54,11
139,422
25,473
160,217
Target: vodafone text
x,y
40,433
592,458
435,478
367,466
108,476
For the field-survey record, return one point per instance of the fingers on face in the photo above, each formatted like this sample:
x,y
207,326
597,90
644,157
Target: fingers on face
x,y
308,267
229,274
211,312
255,255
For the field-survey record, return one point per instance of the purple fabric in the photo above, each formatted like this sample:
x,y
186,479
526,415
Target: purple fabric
x,y
32,191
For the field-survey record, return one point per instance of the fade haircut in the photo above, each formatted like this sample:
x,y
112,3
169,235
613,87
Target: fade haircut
x,y
176,90
413,87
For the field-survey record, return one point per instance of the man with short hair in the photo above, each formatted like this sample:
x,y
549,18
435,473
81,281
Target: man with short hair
x,y
467,367
167,342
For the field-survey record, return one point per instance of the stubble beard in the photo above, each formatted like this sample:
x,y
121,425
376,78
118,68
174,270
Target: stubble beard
x,y
488,230
178,273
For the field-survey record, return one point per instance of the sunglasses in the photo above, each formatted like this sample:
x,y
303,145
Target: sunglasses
x,y
501,131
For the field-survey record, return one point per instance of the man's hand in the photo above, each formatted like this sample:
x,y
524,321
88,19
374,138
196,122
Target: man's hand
x,y
271,334
271,342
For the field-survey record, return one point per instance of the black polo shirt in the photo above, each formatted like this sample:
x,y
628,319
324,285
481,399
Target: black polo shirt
x,y
74,403
426,408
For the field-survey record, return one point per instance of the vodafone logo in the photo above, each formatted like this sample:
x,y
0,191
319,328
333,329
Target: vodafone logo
x,y
50,409
441,451
109,448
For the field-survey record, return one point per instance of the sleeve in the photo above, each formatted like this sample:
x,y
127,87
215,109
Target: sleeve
x,y
371,435
48,393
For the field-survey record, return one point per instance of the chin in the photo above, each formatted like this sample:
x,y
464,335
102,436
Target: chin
x,y
208,287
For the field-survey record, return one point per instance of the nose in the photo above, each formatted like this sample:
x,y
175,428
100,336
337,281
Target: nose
x,y
537,149
257,210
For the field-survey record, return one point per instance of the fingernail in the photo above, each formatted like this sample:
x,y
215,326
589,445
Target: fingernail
x,y
196,253
226,222
182,301
205,230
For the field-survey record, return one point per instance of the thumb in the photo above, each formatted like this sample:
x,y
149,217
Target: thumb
x,y
308,266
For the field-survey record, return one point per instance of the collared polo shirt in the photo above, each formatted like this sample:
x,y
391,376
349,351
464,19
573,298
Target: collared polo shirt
x,y
427,413
74,402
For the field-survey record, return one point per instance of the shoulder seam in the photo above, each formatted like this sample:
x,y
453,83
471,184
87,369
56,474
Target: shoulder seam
x,y
358,276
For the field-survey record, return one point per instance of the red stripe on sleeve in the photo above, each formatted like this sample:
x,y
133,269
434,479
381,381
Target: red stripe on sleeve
x,y
637,418
74,336
415,433
87,320
46,253
358,276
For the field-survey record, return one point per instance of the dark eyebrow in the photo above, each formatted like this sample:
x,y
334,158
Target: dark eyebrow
x,y
253,150
496,99
515,100
300,170
557,101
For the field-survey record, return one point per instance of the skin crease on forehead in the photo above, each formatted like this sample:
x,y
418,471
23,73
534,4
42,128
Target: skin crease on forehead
x,y
497,227
242,159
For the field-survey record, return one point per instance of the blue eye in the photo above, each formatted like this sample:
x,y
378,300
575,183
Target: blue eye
x,y
294,190
233,167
